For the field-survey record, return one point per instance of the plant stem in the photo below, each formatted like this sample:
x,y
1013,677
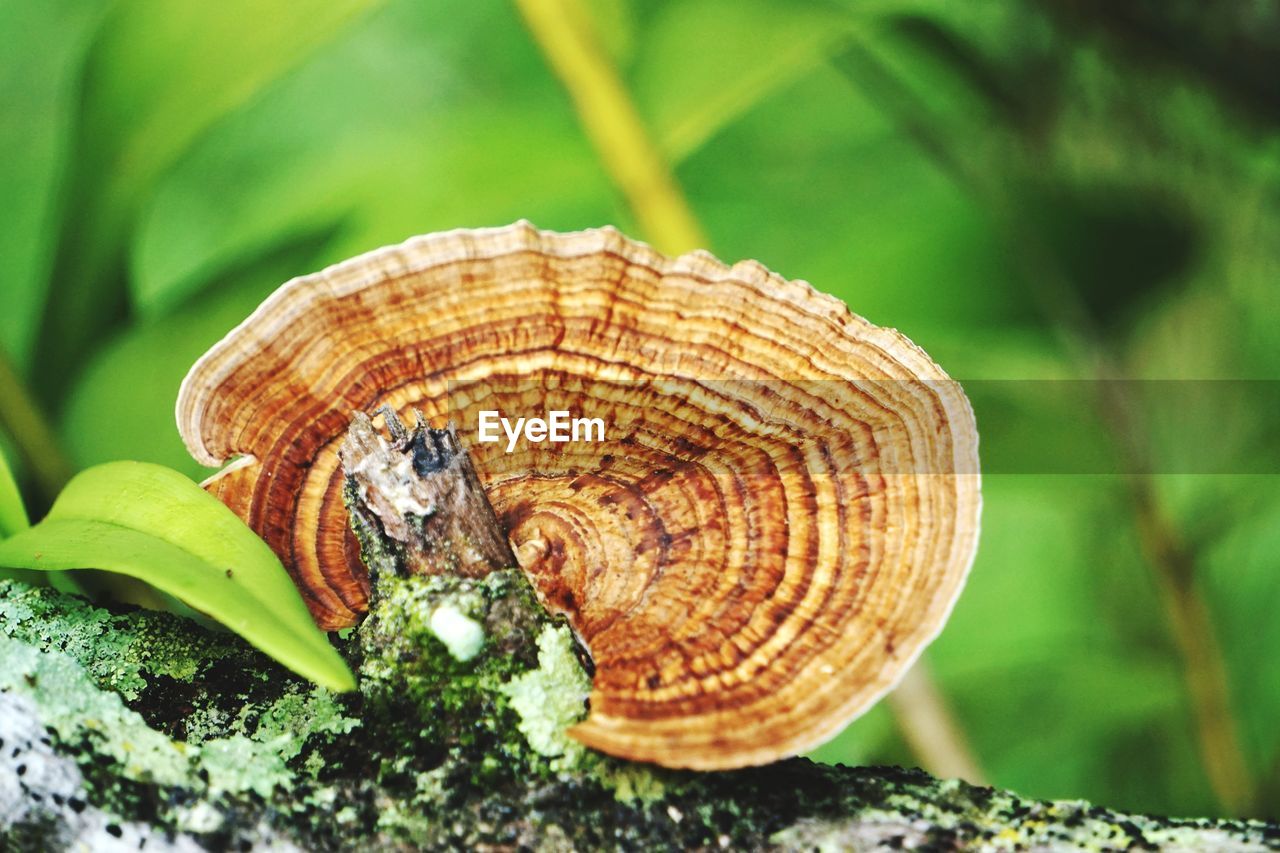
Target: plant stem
x,y
1174,566
564,32
1203,666
930,728
24,423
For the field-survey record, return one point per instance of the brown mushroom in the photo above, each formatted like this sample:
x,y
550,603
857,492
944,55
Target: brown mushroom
x,y
779,519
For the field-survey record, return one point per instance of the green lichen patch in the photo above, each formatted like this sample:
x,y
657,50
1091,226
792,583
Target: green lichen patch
x,y
187,682
430,727
71,705
909,809
239,719
302,714
118,651
132,766
237,764
633,784
552,697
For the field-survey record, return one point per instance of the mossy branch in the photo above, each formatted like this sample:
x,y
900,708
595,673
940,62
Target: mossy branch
x,y
144,726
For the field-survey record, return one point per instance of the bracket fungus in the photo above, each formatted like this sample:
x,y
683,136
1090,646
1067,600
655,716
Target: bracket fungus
x,y
778,518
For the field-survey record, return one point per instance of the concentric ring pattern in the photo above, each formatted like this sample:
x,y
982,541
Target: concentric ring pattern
x,y
779,519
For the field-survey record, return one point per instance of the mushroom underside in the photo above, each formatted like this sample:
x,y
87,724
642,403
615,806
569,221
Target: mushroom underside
x,y
777,519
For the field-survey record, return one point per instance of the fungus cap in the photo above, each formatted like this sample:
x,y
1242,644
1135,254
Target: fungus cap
x,y
779,518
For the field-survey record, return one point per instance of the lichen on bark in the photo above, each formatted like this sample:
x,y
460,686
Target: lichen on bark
x,y
225,748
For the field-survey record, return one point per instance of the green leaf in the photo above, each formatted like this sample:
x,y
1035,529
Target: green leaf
x,y
1060,634
614,21
816,182
13,514
1239,581
173,74
13,519
151,523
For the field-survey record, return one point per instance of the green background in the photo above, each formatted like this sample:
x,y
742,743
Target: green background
x,y
1032,190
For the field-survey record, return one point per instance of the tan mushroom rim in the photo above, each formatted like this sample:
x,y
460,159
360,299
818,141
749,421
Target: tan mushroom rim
x,y
780,517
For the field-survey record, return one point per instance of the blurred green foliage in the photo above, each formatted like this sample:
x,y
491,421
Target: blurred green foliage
x,y
1030,189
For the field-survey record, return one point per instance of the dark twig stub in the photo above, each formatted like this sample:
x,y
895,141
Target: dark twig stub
x,y
422,488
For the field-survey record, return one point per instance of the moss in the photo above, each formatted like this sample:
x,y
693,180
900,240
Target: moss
x,y
381,554
632,784
912,810
299,715
238,764
441,722
405,663
242,721
97,727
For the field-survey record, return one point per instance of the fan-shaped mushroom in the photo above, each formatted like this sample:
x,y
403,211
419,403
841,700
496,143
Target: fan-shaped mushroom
x,y
778,520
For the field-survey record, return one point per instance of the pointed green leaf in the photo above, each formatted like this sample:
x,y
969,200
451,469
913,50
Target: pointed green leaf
x,y
121,405
13,514
13,519
151,523
335,145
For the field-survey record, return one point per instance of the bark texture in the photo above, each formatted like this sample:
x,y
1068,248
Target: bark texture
x,y
422,491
